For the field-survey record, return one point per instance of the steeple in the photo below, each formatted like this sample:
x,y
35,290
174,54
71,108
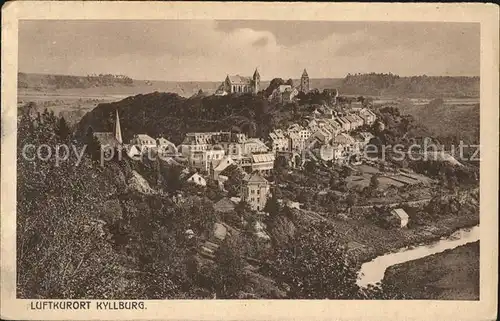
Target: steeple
x,y
256,81
304,82
118,130
256,74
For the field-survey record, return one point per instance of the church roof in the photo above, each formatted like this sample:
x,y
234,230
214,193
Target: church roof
x,y
239,80
106,138
304,74
256,73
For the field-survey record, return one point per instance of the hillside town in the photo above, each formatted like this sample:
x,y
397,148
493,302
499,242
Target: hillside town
x,y
325,135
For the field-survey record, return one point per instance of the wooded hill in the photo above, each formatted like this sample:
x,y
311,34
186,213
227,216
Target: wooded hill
x,y
172,116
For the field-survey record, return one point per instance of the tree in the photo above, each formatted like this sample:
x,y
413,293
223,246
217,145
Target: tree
x,y
229,275
272,206
62,129
235,179
351,200
315,266
275,83
374,182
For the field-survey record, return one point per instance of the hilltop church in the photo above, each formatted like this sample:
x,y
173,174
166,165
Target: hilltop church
x,y
239,85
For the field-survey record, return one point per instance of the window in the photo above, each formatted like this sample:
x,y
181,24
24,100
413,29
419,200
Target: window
x,y
258,191
252,191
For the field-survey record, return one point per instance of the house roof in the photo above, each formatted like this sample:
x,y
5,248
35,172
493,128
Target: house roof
x,y
261,158
163,141
219,231
255,178
400,213
352,119
344,138
144,137
366,135
195,175
224,205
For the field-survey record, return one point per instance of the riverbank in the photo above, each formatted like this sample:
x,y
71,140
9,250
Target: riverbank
x,y
450,275
366,241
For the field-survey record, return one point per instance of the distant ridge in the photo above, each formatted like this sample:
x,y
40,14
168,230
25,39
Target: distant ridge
x,y
371,84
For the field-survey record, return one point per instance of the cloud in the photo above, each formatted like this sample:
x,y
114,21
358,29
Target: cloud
x,y
208,50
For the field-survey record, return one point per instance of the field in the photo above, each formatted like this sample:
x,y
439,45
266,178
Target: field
x,y
451,275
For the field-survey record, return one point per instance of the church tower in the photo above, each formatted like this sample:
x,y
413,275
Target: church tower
x,y
304,82
256,81
118,130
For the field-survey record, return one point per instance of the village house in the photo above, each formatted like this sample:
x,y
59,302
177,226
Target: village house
x,y
202,160
346,141
330,125
224,205
143,142
297,136
296,142
363,139
278,140
166,148
313,126
355,123
254,145
293,159
132,151
401,216
239,85
283,94
368,116
262,163
219,166
254,191
197,179
319,137
344,123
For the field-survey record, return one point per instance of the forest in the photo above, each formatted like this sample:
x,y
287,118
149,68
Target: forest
x,y
375,84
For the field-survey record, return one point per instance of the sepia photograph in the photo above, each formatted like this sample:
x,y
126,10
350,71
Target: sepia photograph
x,y
247,160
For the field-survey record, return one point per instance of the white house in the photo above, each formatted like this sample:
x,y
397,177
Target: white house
x,y
254,191
143,141
166,148
401,215
197,179
278,140
368,116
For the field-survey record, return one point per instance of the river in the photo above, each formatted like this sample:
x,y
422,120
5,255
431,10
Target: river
x,y
373,271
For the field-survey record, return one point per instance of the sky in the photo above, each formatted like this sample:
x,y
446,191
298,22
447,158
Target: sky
x,y
208,50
